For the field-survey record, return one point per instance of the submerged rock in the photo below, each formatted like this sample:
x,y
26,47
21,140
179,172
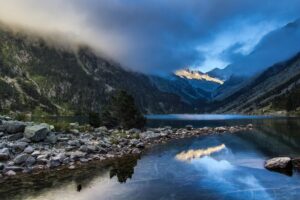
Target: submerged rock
x,y
279,164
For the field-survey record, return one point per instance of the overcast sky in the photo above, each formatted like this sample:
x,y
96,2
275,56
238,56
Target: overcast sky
x,y
157,36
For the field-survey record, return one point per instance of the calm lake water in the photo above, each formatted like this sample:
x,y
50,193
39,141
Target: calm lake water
x,y
231,167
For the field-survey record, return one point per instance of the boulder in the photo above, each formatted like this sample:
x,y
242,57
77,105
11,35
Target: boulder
x,y
279,164
36,133
13,127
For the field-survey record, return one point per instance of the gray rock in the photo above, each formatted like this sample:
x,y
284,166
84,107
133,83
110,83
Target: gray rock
x,y
76,155
51,138
1,134
102,150
4,154
149,135
83,148
279,163
66,161
101,129
136,151
15,137
71,167
53,163
36,133
25,140
140,145
21,158
29,150
30,161
2,166
134,131
19,146
13,127
296,163
189,127
74,131
74,125
27,170
42,159
36,153
60,157
75,143
83,160
70,148
10,173
14,168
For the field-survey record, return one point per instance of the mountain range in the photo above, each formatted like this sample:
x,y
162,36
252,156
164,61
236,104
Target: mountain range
x,y
40,78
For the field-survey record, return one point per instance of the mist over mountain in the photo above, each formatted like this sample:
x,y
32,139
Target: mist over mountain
x,y
278,45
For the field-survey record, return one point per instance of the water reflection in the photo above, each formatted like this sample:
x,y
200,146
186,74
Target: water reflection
x,y
228,166
123,168
193,154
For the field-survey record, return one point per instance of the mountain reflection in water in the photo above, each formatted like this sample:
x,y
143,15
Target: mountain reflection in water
x,y
192,154
226,167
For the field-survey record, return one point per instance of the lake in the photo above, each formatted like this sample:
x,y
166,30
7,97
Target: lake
x,y
229,166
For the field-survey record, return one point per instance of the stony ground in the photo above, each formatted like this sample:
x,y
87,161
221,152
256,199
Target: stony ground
x,y
26,147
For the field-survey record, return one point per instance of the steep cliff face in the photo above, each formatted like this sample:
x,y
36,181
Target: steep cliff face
x,y
277,89
35,77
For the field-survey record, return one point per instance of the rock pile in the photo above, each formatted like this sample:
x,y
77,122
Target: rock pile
x,y
26,147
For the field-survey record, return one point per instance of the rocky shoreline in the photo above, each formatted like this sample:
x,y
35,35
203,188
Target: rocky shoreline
x,y
28,148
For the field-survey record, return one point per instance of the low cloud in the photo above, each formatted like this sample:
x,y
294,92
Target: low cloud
x,y
153,36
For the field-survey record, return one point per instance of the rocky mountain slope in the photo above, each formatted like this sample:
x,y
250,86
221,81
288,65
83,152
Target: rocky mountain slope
x,y
37,78
277,89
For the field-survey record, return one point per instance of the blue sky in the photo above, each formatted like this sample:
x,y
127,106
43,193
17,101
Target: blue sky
x,y
157,36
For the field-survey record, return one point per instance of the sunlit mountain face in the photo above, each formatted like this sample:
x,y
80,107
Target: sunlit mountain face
x,y
197,75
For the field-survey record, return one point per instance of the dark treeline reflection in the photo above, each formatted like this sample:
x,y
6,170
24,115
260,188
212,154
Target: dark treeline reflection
x,y
123,168
82,178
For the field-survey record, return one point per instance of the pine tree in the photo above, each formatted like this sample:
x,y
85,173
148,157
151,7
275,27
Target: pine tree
x,y
122,112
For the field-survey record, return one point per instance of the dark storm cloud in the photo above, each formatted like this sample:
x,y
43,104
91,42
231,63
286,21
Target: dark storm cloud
x,y
156,36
